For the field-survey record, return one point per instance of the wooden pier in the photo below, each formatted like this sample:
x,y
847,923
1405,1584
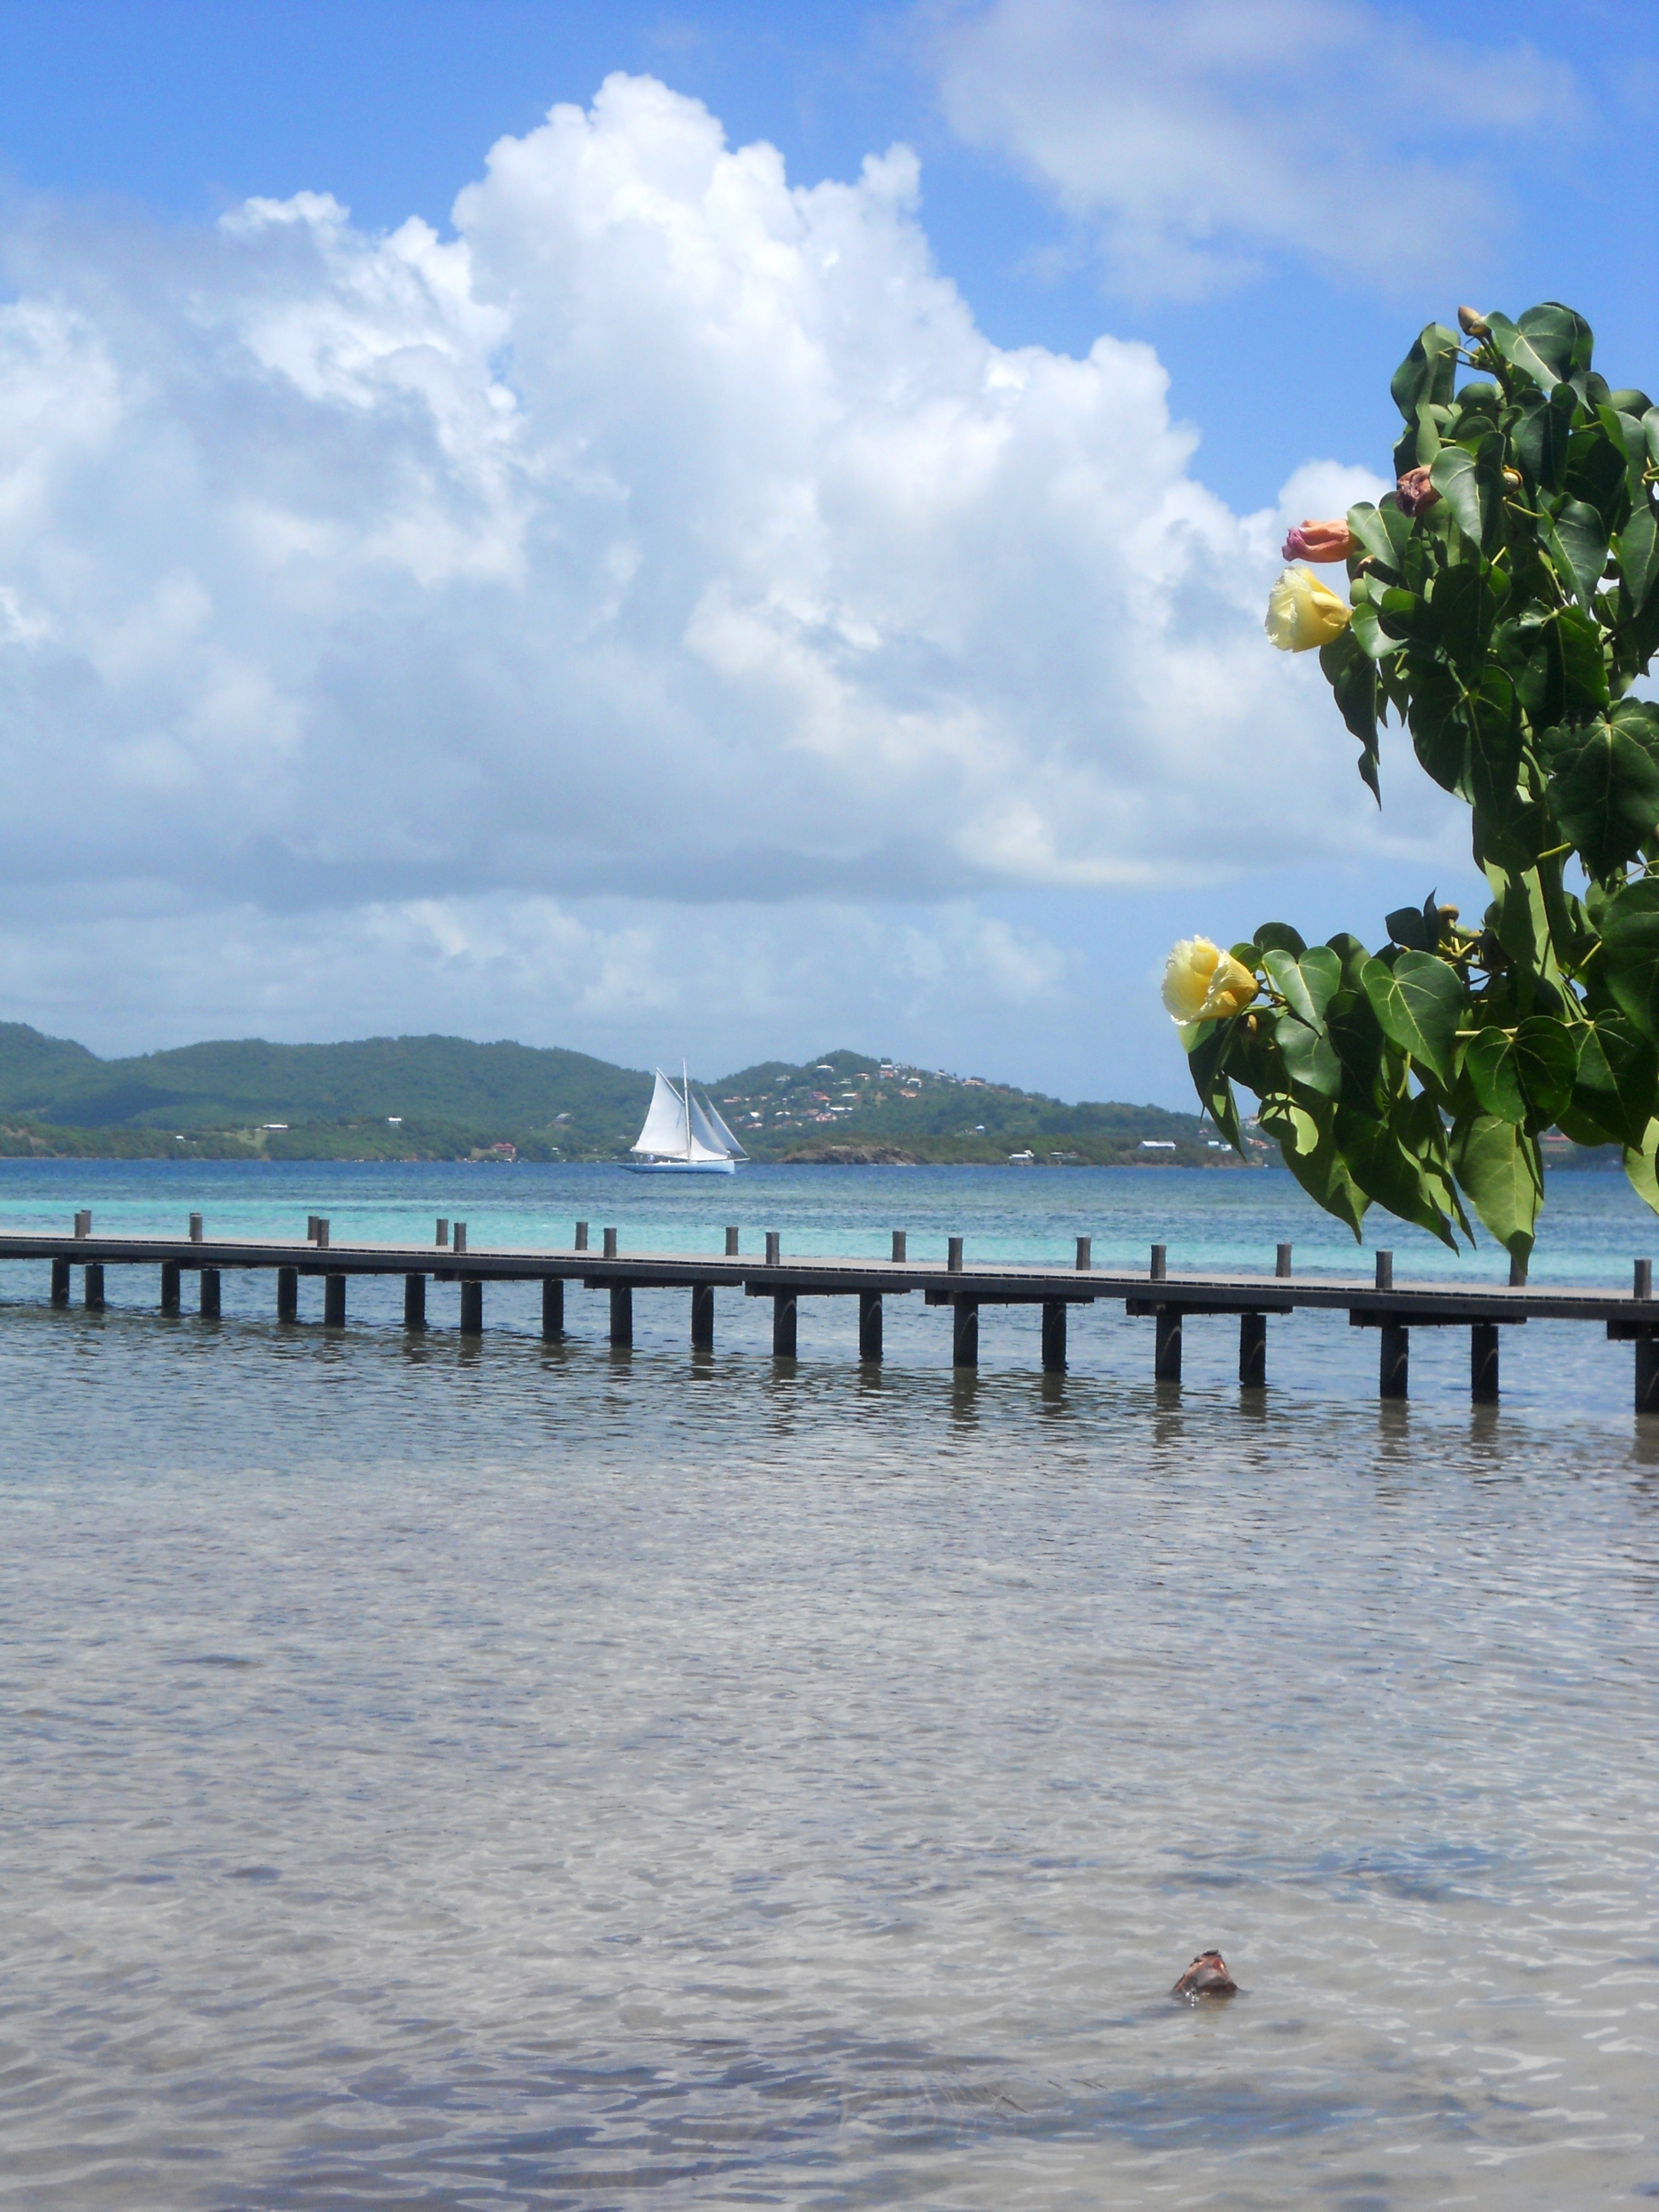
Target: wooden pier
x,y
1393,1309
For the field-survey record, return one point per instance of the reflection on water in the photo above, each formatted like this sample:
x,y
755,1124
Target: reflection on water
x,y
457,1773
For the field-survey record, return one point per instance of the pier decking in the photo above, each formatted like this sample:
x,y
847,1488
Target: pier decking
x,y
1393,1309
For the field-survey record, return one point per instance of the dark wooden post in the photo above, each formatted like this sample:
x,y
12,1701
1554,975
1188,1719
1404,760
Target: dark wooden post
x,y
1085,1254
1252,1351
553,1308
195,1228
783,1318
731,1244
899,1241
1394,1356
953,1256
1281,1262
60,1282
92,1286
414,1301
964,1332
1054,1336
442,1236
1647,1374
1166,1357
170,1286
209,1300
1482,1362
581,1236
621,1314
870,1325
774,1248
473,1308
333,1301
287,1293
703,1315
611,1244
1159,1265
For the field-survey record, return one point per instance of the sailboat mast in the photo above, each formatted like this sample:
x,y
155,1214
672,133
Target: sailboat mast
x,y
685,1080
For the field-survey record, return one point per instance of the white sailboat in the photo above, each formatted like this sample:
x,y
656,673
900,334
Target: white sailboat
x,y
683,1134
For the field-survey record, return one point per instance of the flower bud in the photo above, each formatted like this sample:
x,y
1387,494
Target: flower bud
x,y
1202,983
1472,325
1514,481
1414,493
1319,542
1302,612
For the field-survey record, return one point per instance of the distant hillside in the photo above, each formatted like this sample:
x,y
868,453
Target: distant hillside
x,y
447,1097
859,1101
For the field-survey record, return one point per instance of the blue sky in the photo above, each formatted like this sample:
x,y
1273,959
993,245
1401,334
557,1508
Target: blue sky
x,y
978,737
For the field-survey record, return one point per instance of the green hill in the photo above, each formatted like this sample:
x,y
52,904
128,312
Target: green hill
x,y
444,1097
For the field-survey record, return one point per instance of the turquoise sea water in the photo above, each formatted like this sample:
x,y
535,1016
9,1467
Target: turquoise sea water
x,y
453,1772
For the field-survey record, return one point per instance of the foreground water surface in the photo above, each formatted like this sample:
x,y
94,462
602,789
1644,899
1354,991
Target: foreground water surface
x,y
484,1773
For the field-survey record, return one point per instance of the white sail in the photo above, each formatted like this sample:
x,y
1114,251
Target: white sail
x,y
666,1132
707,1125
711,1134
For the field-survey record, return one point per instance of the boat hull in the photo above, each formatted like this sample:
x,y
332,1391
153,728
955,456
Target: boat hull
x,y
680,1167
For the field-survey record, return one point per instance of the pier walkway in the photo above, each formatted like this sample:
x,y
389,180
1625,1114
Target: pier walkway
x,y
1168,1300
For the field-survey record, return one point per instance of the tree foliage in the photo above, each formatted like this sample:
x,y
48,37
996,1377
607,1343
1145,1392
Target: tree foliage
x,y
1505,598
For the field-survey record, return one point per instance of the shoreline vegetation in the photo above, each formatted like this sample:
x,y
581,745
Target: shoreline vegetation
x,y
449,1099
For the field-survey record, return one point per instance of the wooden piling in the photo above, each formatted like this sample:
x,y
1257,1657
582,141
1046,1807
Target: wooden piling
x,y
287,1293
774,1248
1482,1362
1252,1351
1281,1262
783,1321
964,1332
703,1315
611,1244
170,1286
953,1256
60,1282
472,1306
92,1285
552,1309
1647,1374
1158,1267
900,1237
1166,1355
1394,1358
333,1301
1054,1336
208,1301
1085,1254
581,1237
730,1243
414,1301
441,1235
870,1325
195,1228
621,1312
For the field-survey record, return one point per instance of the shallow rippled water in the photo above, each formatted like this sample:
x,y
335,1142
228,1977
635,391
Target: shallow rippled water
x,y
453,1775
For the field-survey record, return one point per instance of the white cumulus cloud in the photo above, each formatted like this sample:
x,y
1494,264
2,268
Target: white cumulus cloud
x,y
669,533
